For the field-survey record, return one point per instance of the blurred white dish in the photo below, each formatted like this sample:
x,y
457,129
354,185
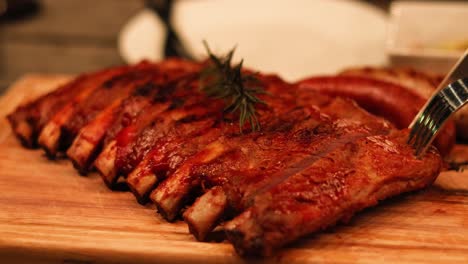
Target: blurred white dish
x,y
417,41
294,38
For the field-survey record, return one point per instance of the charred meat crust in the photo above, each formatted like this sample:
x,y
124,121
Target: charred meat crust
x,y
29,119
315,201
141,91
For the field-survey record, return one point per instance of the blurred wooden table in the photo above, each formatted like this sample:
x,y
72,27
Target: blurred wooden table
x,y
66,36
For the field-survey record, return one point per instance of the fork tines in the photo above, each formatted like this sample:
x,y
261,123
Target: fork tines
x,y
435,114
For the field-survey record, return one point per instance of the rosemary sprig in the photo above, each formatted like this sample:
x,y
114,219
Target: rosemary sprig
x,y
239,90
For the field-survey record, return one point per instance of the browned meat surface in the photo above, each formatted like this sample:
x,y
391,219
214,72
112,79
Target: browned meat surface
x,y
185,139
181,142
179,103
317,159
258,160
29,119
350,178
53,137
139,90
111,92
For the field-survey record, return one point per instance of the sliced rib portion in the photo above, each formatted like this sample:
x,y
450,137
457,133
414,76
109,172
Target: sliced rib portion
x,y
91,118
183,141
187,139
146,88
111,93
29,119
105,163
131,152
351,178
261,162
304,134
51,138
66,123
317,159
183,105
136,118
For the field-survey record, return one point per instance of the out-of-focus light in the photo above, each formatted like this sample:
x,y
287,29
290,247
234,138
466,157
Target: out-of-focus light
x,y
3,6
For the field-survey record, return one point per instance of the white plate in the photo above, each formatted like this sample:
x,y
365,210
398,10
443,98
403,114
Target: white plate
x,y
295,38
423,43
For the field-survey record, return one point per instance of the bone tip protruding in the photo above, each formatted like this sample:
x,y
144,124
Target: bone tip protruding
x,y
24,132
79,153
49,139
141,184
105,165
246,235
206,212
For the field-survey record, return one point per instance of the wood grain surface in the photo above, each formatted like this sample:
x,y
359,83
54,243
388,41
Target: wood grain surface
x,y
50,214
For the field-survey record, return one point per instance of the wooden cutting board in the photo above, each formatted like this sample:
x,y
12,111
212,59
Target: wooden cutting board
x,y
51,214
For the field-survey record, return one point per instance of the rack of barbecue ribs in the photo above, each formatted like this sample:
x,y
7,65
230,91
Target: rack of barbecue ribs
x,y
326,148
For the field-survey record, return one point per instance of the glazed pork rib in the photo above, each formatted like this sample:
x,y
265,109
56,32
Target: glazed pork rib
x,y
317,159
96,95
185,140
192,116
303,134
182,141
28,120
302,191
91,118
58,132
346,180
138,112
179,145
119,113
134,141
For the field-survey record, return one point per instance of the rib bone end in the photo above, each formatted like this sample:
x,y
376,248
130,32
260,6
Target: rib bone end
x,y
141,184
246,235
80,152
105,164
206,212
24,132
49,139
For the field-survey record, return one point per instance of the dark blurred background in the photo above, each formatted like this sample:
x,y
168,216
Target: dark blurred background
x,y
64,36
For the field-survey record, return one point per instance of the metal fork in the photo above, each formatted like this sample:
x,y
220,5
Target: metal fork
x,y
449,97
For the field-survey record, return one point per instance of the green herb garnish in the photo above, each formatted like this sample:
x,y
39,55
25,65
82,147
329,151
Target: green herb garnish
x,y
239,90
